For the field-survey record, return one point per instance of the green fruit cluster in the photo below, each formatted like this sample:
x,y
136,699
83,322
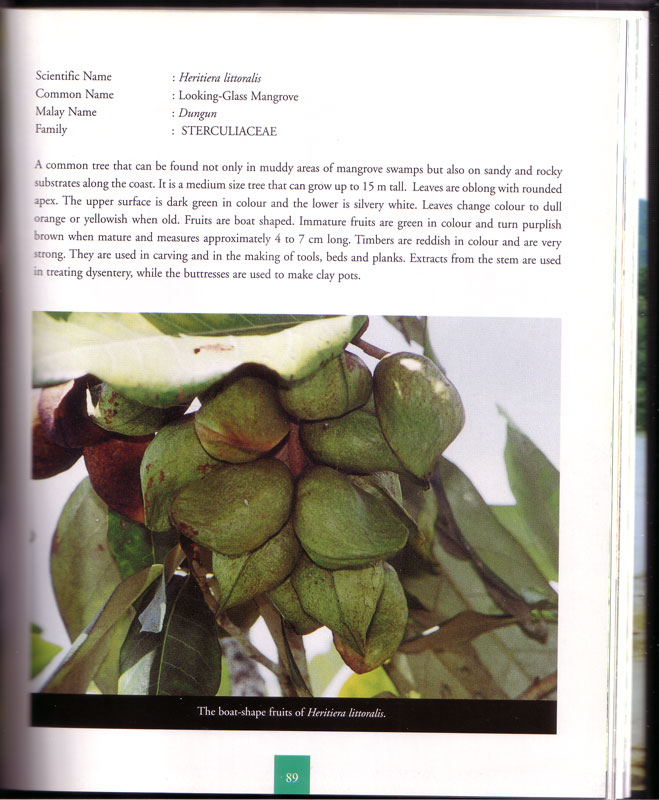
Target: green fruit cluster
x,y
293,490
310,521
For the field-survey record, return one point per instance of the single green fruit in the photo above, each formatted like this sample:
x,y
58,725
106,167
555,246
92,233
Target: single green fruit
x,y
285,599
385,631
237,507
114,412
340,524
240,578
242,421
419,410
337,387
172,460
352,443
344,599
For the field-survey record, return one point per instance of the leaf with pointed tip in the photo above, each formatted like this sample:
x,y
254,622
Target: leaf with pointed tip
x,y
59,314
415,329
83,570
534,482
495,546
184,658
144,364
90,648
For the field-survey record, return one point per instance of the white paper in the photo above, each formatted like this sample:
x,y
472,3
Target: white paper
x,y
482,91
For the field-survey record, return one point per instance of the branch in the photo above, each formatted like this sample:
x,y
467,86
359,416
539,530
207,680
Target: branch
x,y
223,620
540,688
370,349
273,620
230,627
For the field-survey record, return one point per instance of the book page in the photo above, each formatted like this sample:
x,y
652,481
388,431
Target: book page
x,y
203,198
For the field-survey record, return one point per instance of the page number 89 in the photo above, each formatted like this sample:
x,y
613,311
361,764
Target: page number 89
x,y
292,774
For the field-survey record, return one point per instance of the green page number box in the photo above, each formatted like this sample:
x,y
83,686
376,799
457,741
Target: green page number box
x,y
292,774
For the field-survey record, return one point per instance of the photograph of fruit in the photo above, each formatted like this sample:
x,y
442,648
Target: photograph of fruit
x,y
262,506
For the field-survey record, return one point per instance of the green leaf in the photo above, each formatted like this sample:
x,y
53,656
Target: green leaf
x,y
369,684
511,518
322,669
106,677
415,329
495,545
90,648
83,570
92,550
185,658
59,314
534,482
497,664
42,652
224,689
144,364
134,546
226,324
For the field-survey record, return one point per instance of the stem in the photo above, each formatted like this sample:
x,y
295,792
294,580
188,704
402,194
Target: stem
x,y
230,627
296,643
370,349
297,459
223,620
273,621
540,688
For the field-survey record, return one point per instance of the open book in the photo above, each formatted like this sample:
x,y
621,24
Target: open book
x,y
328,320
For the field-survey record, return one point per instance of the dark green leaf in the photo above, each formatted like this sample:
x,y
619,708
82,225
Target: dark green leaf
x,y
226,324
59,314
495,546
185,658
134,546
